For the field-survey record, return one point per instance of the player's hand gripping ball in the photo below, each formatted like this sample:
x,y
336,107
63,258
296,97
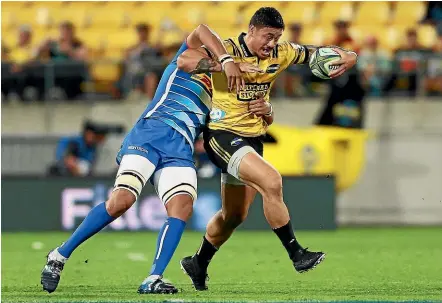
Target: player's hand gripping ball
x,y
322,60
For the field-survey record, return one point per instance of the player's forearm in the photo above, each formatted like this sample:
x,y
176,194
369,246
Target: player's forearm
x,y
203,35
268,119
205,65
312,48
194,62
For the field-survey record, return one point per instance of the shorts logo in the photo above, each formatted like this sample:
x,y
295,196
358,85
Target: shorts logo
x,y
217,114
138,148
236,142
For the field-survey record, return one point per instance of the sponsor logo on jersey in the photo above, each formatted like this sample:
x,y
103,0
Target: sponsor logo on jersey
x,y
253,91
236,141
272,69
217,114
138,148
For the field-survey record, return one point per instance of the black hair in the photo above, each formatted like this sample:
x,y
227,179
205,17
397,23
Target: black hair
x,y
267,17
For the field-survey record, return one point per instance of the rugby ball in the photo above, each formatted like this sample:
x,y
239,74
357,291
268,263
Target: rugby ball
x,y
321,62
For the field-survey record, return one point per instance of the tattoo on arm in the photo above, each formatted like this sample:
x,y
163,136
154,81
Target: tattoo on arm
x,y
334,46
205,65
313,48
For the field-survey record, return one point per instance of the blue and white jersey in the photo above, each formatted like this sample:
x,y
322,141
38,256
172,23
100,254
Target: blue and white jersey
x,y
182,100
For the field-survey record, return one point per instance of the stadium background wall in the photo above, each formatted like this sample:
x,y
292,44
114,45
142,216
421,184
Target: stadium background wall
x,y
51,204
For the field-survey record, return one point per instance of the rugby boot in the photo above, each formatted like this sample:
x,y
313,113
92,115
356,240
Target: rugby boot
x,y
305,260
196,272
156,285
50,275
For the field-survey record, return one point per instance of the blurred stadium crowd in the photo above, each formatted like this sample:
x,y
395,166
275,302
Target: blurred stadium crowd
x,y
104,49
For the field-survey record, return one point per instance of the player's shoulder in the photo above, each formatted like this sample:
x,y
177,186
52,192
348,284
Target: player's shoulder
x,y
289,51
232,46
289,46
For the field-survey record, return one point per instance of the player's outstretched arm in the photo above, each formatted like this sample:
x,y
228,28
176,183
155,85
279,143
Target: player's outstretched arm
x,y
347,61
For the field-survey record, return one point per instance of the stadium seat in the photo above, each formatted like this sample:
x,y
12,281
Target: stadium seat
x,y
393,36
84,4
408,13
318,35
369,13
188,14
225,14
9,37
109,17
105,71
12,6
361,32
8,20
38,35
150,13
121,39
29,15
95,38
302,12
54,33
310,36
252,7
224,17
50,3
79,16
116,54
331,11
228,31
427,35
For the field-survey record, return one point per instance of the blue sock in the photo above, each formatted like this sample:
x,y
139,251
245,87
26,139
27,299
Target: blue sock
x,y
95,221
168,239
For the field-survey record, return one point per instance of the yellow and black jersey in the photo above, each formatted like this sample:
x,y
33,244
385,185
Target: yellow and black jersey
x,y
230,110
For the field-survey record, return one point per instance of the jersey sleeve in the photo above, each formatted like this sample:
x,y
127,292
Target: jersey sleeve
x,y
181,50
292,53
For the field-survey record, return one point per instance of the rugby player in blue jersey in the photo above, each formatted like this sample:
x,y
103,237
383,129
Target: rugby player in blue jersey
x,y
159,149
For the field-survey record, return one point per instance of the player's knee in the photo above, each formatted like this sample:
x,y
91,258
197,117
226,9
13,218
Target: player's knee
x,y
120,201
273,185
233,220
180,206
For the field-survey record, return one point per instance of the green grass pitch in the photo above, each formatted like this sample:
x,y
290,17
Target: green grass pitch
x,y
362,264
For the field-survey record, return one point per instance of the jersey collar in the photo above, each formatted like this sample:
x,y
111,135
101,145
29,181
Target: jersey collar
x,y
243,45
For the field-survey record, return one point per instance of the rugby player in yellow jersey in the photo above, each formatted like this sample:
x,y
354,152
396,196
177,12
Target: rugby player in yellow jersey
x,y
233,138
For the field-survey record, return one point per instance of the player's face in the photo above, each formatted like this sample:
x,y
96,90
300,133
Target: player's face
x,y
264,40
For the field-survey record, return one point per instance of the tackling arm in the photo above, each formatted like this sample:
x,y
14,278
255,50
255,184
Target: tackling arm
x,y
197,61
203,35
